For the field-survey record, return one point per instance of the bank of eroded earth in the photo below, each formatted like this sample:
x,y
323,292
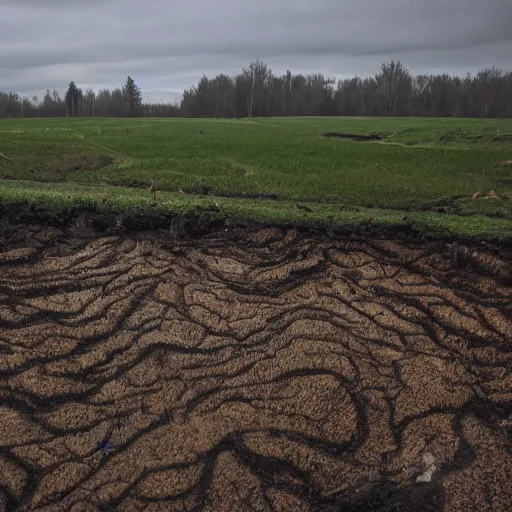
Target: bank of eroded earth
x,y
269,372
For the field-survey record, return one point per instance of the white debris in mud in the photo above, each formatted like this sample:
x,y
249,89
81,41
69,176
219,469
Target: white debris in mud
x,y
430,468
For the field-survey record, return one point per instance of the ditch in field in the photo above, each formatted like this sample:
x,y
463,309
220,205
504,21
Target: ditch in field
x,y
353,136
272,370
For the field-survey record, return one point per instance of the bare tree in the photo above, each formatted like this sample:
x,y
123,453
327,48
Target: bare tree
x,y
393,80
487,83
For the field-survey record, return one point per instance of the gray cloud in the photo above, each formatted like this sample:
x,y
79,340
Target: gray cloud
x,y
166,45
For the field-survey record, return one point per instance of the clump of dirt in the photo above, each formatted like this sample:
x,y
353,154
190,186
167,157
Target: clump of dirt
x,y
276,372
492,194
80,162
353,136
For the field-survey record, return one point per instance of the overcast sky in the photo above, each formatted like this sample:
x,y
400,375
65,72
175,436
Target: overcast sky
x,y
167,45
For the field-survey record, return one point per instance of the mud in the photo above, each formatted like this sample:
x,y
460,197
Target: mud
x,y
353,136
273,373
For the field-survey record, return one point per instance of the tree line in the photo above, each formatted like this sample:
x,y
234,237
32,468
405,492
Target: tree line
x,y
393,91
120,102
257,92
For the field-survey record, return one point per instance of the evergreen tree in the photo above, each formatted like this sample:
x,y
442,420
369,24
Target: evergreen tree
x,y
132,98
72,100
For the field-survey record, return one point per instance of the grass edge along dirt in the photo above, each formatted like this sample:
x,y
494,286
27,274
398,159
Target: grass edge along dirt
x,y
126,208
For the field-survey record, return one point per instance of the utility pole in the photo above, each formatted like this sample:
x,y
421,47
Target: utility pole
x,y
93,103
252,89
21,100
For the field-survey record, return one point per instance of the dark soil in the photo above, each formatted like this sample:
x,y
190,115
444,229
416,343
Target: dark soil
x,y
210,220
248,195
352,136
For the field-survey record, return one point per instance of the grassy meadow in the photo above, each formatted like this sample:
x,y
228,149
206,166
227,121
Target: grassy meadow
x,y
422,171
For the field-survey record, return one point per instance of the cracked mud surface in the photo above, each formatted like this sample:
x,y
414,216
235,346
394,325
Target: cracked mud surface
x,y
270,374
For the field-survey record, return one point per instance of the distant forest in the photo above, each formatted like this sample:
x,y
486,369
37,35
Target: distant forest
x,y
257,92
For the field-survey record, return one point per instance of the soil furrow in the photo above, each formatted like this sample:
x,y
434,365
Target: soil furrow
x,y
278,372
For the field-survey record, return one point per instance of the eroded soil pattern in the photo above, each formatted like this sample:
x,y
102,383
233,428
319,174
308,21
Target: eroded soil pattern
x,y
273,374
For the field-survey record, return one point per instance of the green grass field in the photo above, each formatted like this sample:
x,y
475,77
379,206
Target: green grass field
x,y
423,171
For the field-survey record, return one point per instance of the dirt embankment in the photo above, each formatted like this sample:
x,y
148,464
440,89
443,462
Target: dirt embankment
x,y
273,374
